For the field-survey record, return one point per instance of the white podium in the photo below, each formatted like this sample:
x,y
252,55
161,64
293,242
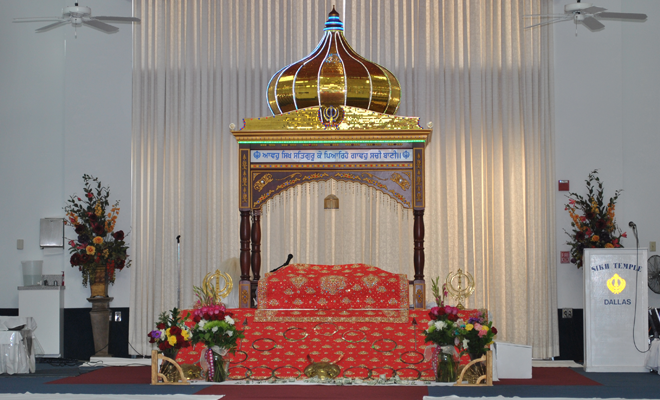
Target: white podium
x,y
615,301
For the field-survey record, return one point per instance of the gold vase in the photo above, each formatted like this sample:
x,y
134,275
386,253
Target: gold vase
x,y
98,283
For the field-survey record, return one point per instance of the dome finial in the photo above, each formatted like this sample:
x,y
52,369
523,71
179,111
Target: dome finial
x,y
333,23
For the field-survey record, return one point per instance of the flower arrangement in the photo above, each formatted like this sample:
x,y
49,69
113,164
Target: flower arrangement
x,y
443,328
98,251
170,335
476,335
435,289
216,329
593,224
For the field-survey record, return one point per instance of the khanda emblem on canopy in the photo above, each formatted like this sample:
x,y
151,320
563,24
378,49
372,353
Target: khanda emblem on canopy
x,y
616,284
331,116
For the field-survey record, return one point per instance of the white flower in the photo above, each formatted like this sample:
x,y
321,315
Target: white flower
x,y
465,343
229,320
163,335
214,329
431,322
229,333
201,323
439,325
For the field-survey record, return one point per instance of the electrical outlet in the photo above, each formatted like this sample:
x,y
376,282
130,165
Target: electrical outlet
x,y
117,316
651,246
567,313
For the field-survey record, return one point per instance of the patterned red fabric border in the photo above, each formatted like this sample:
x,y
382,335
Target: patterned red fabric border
x,y
333,287
389,316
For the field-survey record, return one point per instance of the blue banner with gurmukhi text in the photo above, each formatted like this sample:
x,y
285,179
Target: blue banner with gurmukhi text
x,y
329,156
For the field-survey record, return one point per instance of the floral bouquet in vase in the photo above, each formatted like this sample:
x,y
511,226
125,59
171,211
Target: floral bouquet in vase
x,y
592,221
97,251
443,331
476,335
170,335
216,329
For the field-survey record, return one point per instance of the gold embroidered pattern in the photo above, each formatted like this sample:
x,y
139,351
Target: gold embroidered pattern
x,y
369,300
297,302
298,281
346,300
370,281
310,290
288,292
333,283
322,301
357,287
381,289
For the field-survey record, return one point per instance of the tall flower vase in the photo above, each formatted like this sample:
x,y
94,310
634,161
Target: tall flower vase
x,y
218,366
447,367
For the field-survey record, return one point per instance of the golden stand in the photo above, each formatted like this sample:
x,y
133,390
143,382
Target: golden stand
x,y
157,376
474,377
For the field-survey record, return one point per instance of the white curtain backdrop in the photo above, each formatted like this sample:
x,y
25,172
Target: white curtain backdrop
x,y
466,65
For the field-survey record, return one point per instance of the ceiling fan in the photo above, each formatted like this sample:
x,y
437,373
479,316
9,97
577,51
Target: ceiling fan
x,y
587,14
78,16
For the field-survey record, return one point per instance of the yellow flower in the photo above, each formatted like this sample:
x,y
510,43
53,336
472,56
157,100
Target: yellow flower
x,y
98,240
91,250
105,253
595,238
98,210
172,340
184,334
609,245
469,327
484,328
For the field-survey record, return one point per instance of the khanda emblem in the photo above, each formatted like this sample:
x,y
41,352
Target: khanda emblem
x,y
331,116
616,284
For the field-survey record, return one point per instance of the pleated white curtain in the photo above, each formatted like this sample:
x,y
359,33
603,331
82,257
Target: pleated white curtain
x,y
467,66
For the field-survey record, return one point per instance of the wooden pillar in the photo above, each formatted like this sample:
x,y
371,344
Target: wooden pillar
x,y
256,244
244,296
419,287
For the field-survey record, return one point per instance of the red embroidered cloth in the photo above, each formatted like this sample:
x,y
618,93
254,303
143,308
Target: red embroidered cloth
x,y
283,347
332,287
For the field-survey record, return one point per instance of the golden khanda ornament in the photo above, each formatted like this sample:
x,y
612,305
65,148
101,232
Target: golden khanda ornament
x,y
460,286
211,285
334,75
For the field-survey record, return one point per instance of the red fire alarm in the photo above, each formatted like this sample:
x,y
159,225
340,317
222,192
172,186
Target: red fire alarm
x,y
563,186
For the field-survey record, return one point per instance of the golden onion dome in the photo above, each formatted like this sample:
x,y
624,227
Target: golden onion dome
x,y
334,75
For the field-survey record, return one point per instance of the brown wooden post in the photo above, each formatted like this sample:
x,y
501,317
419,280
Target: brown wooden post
x,y
419,288
256,244
244,297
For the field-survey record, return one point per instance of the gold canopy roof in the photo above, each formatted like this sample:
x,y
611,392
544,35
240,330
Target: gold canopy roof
x,y
334,75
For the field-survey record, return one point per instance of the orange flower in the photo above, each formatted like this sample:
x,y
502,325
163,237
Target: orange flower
x,y
91,250
609,245
98,240
595,238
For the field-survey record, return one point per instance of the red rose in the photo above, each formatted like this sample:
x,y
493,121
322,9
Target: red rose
x,y
175,330
120,264
164,345
75,259
80,229
494,330
119,235
185,344
197,318
452,317
98,230
160,326
441,311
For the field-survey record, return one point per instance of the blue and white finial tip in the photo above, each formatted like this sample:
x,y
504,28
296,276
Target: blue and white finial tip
x,y
333,23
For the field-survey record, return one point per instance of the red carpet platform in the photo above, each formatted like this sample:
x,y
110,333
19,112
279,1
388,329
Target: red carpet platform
x,y
142,375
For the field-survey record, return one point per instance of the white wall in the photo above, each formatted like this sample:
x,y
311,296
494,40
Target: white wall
x,y
607,114
65,110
